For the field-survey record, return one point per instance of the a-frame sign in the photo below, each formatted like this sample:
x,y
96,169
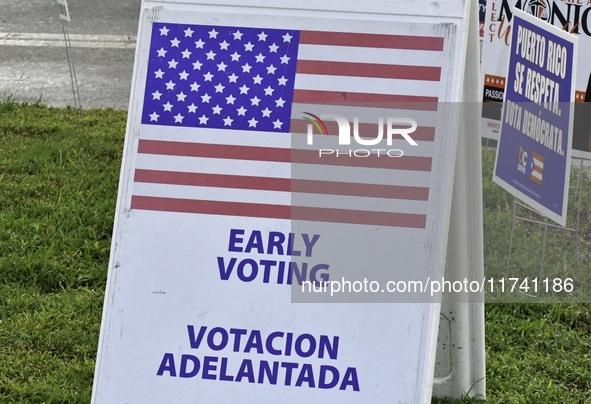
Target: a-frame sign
x,y
253,186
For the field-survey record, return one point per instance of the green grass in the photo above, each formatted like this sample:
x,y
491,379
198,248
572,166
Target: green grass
x,y
58,184
562,258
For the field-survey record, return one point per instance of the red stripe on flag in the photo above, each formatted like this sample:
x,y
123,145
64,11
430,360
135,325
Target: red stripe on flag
x,y
213,180
214,151
422,133
382,71
538,157
282,184
279,212
343,98
359,217
280,155
372,40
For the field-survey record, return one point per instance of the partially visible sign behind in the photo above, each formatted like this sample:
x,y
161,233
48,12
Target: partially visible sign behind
x,y
533,156
571,16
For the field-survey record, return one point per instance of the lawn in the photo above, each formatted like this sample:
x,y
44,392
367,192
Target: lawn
x,y
58,184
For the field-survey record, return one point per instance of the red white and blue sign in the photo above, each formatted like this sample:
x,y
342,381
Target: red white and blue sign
x,y
533,156
225,209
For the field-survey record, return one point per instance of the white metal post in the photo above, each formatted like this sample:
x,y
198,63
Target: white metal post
x,y
460,363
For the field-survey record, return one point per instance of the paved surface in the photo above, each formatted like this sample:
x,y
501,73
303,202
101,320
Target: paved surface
x,y
33,60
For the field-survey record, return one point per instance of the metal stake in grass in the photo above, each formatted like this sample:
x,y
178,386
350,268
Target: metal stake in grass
x,y
514,217
65,19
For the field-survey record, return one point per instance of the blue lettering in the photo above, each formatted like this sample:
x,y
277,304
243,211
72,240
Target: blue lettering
x,y
276,240
331,349
209,366
266,370
245,370
294,269
237,333
324,370
277,243
196,341
280,272
269,343
253,273
306,376
211,337
305,345
185,363
223,375
167,365
234,238
226,272
350,379
289,366
267,269
314,274
288,344
290,250
310,243
311,345
254,341
255,242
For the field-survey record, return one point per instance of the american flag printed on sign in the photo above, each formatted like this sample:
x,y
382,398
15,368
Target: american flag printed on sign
x,y
221,105
220,77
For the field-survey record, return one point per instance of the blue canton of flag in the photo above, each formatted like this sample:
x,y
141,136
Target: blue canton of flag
x,y
220,77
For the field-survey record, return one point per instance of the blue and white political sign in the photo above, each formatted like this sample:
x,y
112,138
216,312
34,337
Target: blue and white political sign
x,y
570,16
533,155
248,171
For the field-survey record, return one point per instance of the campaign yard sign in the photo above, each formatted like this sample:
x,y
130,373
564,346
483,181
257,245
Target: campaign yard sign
x,y
571,16
533,156
248,171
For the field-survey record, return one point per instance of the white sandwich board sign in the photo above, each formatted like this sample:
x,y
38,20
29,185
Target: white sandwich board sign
x,y
250,191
